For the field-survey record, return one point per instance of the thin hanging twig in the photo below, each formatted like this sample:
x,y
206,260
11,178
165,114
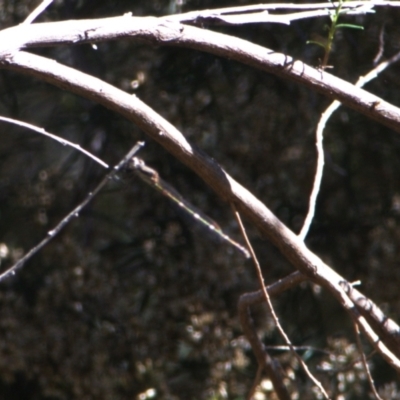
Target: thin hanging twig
x,y
364,362
264,360
271,308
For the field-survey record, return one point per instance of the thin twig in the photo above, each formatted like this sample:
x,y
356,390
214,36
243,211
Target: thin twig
x,y
278,287
37,11
264,360
152,178
364,362
255,382
298,348
257,17
387,329
259,13
319,141
319,136
207,168
64,142
73,214
247,300
270,306
381,47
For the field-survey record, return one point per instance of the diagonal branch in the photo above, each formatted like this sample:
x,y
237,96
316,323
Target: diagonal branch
x,y
58,139
71,215
208,169
37,11
271,308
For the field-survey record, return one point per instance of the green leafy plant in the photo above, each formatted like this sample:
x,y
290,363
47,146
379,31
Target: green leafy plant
x,y
326,43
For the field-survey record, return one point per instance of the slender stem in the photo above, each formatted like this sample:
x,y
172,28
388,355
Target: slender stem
x,y
332,30
152,177
58,139
271,307
37,11
73,214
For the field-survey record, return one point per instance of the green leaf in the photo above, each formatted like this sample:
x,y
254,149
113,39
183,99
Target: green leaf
x,y
315,42
350,26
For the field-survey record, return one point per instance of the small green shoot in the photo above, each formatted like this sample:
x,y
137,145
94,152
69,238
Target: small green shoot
x,y
326,43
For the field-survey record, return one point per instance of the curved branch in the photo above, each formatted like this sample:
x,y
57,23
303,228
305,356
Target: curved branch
x,y
208,169
162,31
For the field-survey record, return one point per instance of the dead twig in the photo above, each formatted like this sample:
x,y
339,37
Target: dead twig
x,y
364,362
58,139
73,214
271,307
37,11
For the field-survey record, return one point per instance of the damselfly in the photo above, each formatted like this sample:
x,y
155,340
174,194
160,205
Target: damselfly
x,y
151,177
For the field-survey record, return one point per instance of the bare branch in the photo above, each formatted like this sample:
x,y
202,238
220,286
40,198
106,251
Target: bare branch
x,y
73,214
167,31
37,11
259,13
264,360
256,382
208,169
271,307
387,329
255,17
319,169
319,139
365,364
163,32
381,47
280,286
64,142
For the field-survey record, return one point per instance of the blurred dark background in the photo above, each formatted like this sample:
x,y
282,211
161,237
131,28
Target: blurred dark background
x,y
133,300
